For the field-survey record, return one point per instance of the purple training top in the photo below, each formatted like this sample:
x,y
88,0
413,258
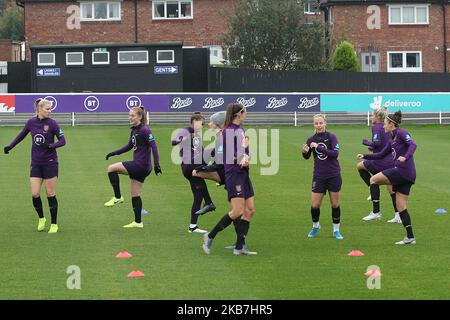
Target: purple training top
x,y
401,145
191,146
43,132
380,138
234,149
141,141
326,164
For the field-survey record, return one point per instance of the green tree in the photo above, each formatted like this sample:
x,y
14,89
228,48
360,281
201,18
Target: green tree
x,y
345,59
11,24
275,35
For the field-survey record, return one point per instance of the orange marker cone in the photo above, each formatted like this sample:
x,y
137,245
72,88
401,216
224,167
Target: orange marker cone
x,y
124,255
135,274
355,253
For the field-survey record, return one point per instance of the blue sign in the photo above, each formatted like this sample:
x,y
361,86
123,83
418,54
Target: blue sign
x,y
48,72
166,69
408,102
253,102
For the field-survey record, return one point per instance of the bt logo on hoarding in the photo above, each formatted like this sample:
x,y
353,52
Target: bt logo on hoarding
x,y
53,101
133,101
91,103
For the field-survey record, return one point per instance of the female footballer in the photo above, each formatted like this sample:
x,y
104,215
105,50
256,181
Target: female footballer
x,y
44,159
238,183
191,153
402,176
367,168
143,143
324,146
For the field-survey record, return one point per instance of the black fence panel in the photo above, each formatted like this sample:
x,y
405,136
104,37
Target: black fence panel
x,y
19,77
248,80
195,70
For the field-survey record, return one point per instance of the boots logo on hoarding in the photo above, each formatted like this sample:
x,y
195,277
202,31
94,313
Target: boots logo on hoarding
x,y
246,102
179,103
306,103
211,103
274,103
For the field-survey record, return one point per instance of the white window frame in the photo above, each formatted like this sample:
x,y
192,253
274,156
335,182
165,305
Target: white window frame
x,y
3,67
101,62
132,62
311,9
165,61
404,68
154,2
107,11
75,63
46,64
426,6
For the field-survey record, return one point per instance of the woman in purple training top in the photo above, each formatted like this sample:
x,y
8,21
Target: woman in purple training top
x,y
324,147
44,159
237,179
402,176
142,142
367,168
191,152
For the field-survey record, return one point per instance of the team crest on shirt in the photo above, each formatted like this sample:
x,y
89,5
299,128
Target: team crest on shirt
x,y
320,155
133,141
46,127
195,142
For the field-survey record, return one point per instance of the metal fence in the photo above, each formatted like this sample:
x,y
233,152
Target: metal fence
x,y
257,118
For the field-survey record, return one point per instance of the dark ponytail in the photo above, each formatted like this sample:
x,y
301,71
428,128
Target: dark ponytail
x,y
395,118
233,109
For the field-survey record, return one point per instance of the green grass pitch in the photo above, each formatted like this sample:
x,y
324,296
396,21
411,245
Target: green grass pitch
x,y
289,265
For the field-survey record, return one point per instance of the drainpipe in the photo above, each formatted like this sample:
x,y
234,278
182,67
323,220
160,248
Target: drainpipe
x,y
135,22
444,10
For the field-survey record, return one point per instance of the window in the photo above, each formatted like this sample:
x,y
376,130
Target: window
x,y
132,57
46,59
408,14
310,8
405,61
165,56
100,11
100,57
330,15
3,67
74,58
169,9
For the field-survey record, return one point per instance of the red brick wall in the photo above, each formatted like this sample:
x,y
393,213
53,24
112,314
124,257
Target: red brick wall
x,y
350,22
46,24
9,51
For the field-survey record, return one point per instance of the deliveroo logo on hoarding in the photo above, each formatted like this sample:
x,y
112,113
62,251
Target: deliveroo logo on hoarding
x,y
376,102
397,103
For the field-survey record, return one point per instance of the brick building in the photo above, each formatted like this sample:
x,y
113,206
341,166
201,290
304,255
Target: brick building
x,y
393,36
9,50
197,23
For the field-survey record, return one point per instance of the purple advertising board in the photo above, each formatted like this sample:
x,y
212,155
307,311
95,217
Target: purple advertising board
x,y
94,102
213,102
253,102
